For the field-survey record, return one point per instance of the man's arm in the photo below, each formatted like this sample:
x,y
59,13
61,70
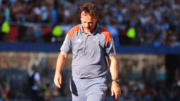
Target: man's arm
x,y
38,85
60,63
115,89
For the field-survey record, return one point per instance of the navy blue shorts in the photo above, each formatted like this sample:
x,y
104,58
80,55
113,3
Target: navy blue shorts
x,y
88,89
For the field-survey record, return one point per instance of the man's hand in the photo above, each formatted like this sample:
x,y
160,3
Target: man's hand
x,y
115,90
58,79
59,64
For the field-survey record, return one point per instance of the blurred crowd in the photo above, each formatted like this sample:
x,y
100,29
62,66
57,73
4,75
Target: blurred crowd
x,y
147,79
148,91
131,22
131,90
18,87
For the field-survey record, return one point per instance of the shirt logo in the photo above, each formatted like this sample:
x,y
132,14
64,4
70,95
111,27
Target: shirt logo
x,y
79,40
102,93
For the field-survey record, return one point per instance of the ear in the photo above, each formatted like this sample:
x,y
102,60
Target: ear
x,y
80,18
96,18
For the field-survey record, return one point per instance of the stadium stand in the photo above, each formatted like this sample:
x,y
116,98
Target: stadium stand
x,y
156,23
137,26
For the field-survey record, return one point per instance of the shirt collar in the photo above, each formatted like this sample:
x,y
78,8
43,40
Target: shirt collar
x,y
97,26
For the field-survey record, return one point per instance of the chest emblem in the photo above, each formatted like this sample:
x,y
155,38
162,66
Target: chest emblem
x,y
79,40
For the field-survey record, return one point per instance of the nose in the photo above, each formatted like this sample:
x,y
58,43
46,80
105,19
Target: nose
x,y
86,25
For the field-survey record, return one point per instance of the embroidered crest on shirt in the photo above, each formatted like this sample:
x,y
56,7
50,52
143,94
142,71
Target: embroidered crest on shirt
x,y
102,93
79,40
96,40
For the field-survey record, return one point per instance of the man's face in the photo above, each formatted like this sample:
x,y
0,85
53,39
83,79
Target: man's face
x,y
88,22
36,69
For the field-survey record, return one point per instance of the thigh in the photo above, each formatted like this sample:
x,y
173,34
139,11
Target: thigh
x,y
77,90
96,89
96,96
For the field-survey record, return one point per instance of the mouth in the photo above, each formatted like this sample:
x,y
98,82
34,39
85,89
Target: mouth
x,y
88,28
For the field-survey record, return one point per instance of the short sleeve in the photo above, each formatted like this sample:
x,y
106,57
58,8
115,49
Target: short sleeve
x,y
110,48
37,76
109,43
67,45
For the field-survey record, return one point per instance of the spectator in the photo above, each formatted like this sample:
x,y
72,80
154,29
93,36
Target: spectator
x,y
174,42
0,3
6,10
29,11
17,11
46,92
114,32
118,15
45,17
37,11
35,84
53,13
2,34
4,91
1,96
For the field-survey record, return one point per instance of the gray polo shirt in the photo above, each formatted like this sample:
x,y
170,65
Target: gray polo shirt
x,y
89,51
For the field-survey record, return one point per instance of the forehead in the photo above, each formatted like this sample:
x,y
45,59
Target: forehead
x,y
83,13
86,16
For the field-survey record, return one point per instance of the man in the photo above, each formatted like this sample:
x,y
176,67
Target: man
x,y
35,84
89,43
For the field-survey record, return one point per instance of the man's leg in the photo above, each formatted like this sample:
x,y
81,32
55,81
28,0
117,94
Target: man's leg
x,y
77,90
96,96
96,89
34,95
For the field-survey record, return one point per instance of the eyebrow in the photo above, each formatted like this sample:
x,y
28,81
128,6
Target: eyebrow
x,y
84,14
